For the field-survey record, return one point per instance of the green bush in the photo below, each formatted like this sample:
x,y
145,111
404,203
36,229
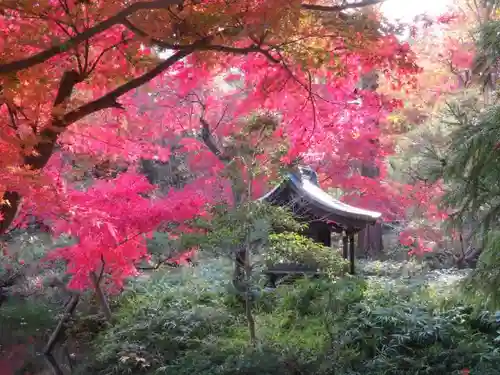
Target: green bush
x,y
483,283
290,247
349,326
392,335
155,325
25,318
24,328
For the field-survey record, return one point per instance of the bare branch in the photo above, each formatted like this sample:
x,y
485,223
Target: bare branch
x,y
341,7
56,335
118,18
110,99
253,48
206,136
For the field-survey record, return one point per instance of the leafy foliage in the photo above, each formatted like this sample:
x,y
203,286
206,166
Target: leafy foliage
x,y
90,83
162,246
184,314
348,326
484,281
21,319
269,232
467,161
228,229
471,165
488,49
227,95
291,247
25,324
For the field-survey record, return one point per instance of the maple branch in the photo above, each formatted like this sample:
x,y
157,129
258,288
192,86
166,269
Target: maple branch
x,y
208,139
13,121
50,133
160,263
207,136
253,48
100,296
341,7
9,204
118,18
242,51
93,66
109,100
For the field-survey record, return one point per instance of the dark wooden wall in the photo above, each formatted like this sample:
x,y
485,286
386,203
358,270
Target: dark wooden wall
x,y
320,232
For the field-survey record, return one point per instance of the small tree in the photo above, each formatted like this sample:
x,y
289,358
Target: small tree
x,y
267,235
245,229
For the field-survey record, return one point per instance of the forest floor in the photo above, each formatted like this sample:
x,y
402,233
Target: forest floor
x,y
34,316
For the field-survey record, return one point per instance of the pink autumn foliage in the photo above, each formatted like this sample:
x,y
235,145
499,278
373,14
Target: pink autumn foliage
x,y
324,119
111,218
111,221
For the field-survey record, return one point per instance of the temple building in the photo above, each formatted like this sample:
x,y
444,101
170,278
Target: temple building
x,y
301,192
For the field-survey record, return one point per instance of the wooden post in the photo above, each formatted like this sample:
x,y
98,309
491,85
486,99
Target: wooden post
x,y
351,253
344,245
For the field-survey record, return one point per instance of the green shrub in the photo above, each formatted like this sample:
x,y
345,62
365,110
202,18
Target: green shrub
x,y
349,326
155,325
290,247
394,331
25,318
24,328
483,283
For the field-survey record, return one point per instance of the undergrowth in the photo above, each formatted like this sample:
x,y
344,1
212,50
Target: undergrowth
x,y
194,324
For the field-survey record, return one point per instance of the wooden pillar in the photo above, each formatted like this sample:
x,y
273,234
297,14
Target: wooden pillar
x,y
351,253
344,245
327,240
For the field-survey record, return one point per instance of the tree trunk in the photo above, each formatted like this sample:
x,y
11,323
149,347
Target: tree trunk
x,y
43,149
370,239
249,300
238,189
370,242
101,297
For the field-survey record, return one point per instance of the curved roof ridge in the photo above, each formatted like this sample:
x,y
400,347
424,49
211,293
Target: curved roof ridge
x,y
314,192
304,182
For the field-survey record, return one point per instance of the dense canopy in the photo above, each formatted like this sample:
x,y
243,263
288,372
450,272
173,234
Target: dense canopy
x,y
96,83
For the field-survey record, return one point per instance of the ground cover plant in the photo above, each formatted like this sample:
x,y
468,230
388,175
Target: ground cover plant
x,y
193,324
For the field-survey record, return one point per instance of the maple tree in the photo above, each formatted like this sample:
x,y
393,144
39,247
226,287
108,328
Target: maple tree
x,y
85,78
413,128
447,49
